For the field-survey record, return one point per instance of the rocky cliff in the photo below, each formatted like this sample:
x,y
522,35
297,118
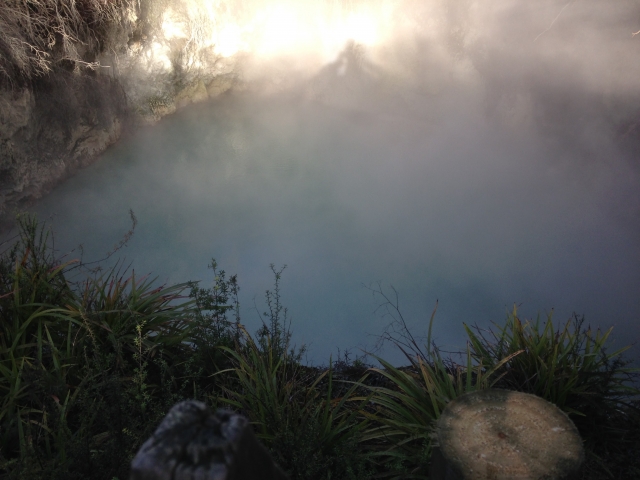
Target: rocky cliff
x,y
75,74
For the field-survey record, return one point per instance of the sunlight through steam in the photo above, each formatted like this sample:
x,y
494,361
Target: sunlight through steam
x,y
270,29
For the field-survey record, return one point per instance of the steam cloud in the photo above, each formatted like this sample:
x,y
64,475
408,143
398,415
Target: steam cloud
x,y
484,150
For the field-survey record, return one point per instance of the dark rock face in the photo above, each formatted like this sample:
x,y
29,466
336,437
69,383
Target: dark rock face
x,y
193,442
49,130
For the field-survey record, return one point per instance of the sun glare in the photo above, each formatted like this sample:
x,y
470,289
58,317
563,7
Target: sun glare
x,y
297,28
271,29
228,40
170,27
281,31
361,28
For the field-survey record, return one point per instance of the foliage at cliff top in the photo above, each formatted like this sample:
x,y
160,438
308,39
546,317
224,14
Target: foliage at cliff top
x,y
39,34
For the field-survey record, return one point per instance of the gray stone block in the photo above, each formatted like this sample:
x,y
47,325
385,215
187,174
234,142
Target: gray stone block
x,y
192,443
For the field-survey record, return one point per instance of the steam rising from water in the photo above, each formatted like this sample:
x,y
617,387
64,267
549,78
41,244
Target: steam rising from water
x,y
482,153
278,27
589,39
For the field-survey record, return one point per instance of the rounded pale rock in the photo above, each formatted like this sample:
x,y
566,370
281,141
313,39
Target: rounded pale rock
x,y
504,435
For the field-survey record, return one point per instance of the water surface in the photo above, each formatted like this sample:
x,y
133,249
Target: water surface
x,y
422,192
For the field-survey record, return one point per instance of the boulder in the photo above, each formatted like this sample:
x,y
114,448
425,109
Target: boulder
x,y
504,435
193,443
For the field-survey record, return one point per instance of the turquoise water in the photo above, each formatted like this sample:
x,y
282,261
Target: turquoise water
x,y
422,194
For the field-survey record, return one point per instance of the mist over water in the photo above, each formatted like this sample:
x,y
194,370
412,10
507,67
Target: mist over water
x,y
478,155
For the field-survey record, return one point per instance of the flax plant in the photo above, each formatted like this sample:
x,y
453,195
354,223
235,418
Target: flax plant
x,y
32,288
569,367
406,410
45,363
112,306
311,434
20,370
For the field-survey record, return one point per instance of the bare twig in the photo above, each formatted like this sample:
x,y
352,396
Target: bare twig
x,y
554,21
397,331
36,34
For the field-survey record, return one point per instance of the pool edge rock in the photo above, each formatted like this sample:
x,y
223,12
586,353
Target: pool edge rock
x,y
51,129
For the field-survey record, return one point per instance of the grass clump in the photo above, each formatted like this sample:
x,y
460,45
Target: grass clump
x,y
411,401
89,367
312,435
311,429
569,367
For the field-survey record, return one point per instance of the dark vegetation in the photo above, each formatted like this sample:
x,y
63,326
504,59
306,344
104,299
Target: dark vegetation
x,y
92,358
40,36
51,48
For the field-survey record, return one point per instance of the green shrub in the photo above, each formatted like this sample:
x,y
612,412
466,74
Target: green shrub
x,y
89,368
570,367
312,436
406,410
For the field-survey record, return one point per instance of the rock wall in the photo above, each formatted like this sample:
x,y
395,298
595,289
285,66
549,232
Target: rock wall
x,y
141,63
50,129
